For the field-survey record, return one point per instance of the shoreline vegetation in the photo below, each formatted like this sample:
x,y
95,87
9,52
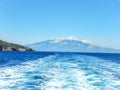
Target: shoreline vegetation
x,y
7,46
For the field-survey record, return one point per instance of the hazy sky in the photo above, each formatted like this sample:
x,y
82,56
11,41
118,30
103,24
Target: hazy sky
x,y
27,21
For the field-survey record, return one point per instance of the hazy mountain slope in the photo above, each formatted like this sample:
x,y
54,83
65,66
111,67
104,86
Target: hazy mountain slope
x,y
68,46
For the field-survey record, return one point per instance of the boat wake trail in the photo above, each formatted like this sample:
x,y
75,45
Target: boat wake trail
x,y
62,72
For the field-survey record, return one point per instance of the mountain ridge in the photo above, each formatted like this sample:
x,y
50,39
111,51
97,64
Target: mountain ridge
x,y
66,45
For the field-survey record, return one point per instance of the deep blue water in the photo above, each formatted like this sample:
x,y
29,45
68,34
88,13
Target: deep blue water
x,y
59,71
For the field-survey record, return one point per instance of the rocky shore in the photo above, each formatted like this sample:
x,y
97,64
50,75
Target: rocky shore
x,y
6,46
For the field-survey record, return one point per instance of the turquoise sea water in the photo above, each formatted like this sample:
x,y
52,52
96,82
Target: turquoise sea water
x,y
59,71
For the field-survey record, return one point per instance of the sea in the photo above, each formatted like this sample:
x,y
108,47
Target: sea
x,y
59,71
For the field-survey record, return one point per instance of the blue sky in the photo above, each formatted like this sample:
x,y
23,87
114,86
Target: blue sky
x,y
28,21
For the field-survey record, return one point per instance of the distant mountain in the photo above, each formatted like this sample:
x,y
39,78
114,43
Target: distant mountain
x,y
6,46
69,46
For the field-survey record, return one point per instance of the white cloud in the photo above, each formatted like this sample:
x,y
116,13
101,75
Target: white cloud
x,y
70,38
65,38
86,41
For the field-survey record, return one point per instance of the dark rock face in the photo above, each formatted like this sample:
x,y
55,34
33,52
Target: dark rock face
x,y
29,50
14,49
1,48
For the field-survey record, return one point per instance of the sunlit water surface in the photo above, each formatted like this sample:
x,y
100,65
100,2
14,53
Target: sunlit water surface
x,y
59,71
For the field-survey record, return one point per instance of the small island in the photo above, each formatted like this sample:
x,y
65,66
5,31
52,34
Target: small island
x,y
7,46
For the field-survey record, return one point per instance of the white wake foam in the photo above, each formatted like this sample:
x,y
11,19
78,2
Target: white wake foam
x,y
57,72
